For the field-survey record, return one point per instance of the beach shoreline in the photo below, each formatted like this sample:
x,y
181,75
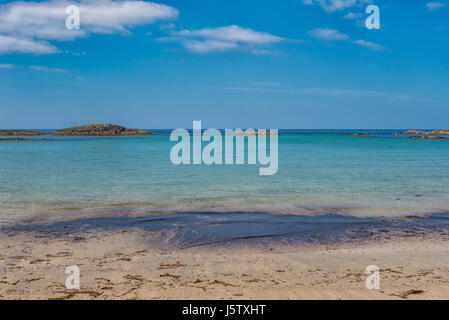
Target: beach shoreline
x,y
122,263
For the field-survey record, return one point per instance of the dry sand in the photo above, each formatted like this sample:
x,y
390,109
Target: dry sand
x,y
117,265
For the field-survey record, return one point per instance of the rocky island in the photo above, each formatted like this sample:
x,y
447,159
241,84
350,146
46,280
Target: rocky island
x,y
20,133
99,129
433,132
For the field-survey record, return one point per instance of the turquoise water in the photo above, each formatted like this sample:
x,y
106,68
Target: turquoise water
x,y
319,172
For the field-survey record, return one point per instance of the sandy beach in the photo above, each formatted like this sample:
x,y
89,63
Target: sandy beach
x,y
119,265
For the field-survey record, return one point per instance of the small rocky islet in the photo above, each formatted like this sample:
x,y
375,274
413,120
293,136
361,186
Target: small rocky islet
x,y
99,129
92,129
107,129
437,134
20,133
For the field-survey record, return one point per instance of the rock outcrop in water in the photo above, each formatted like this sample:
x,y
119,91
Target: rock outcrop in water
x,y
254,132
358,134
20,133
429,137
99,129
439,132
412,132
15,139
420,132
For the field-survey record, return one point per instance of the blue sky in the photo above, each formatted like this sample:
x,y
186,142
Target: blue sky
x,y
263,64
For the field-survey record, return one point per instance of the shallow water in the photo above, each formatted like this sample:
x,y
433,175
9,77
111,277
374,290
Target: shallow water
x,y
184,230
319,172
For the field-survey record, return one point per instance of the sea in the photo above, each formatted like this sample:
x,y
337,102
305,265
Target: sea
x,y
319,172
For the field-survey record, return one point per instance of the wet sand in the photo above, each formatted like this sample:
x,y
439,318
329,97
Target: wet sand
x,y
216,256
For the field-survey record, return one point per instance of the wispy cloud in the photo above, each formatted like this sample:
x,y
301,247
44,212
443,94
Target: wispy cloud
x,y
328,34
335,35
33,68
223,39
208,45
10,44
232,33
370,45
24,25
353,16
346,93
335,5
48,69
265,84
358,93
7,66
357,17
435,5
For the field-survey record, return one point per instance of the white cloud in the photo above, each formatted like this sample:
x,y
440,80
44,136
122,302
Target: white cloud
x,y
265,84
48,69
353,16
232,34
334,5
9,44
335,35
357,93
45,20
209,45
7,66
223,38
167,26
328,34
357,17
435,5
370,45
346,93
33,67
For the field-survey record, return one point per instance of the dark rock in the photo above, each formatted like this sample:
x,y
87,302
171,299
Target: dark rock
x,y
15,139
439,132
255,132
99,129
20,133
429,137
358,134
434,132
413,132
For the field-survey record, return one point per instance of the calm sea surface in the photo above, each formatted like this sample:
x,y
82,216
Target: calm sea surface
x,y
319,172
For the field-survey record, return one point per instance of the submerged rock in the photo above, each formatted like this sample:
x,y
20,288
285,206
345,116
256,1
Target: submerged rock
x,y
15,139
429,137
20,133
99,129
254,132
358,134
